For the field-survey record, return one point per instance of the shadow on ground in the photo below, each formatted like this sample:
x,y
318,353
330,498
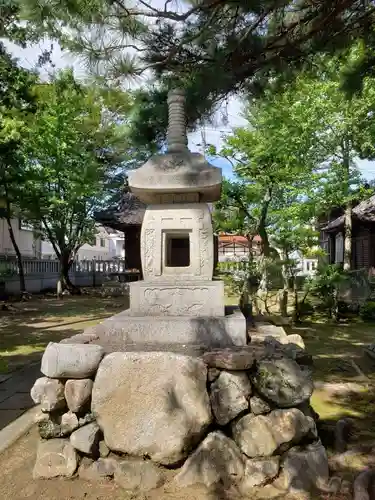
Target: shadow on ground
x,y
341,391
29,326
355,397
338,349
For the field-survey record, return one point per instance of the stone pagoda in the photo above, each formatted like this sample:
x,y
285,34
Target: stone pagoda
x,y
178,302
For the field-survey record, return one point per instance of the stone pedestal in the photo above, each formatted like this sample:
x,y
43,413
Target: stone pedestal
x,y
123,330
197,298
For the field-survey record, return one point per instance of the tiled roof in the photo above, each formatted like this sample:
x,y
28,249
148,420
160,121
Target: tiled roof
x,y
129,212
235,238
364,211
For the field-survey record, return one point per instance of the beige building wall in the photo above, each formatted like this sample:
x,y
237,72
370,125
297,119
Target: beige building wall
x,y
101,250
28,242
106,245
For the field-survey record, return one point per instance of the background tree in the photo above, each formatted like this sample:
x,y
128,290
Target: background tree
x,y
293,232
362,65
345,130
74,150
16,105
274,155
297,159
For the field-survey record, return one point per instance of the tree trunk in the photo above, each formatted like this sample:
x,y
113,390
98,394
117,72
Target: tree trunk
x,y
262,306
262,231
349,208
263,263
245,302
247,293
16,249
283,297
65,283
348,237
297,311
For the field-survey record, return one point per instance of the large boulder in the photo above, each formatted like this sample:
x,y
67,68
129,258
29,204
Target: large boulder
x,y
294,339
55,457
80,338
258,406
71,360
152,403
216,460
304,468
282,381
78,393
231,358
138,475
230,396
86,439
48,393
263,435
259,471
267,330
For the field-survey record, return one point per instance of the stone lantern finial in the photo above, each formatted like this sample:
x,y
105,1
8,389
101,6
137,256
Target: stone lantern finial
x,y
176,134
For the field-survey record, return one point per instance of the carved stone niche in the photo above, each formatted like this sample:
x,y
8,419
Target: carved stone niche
x,y
177,243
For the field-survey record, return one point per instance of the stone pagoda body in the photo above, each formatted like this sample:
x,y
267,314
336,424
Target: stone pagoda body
x,y
178,302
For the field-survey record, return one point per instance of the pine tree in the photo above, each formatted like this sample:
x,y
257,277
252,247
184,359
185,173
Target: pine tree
x,y
211,47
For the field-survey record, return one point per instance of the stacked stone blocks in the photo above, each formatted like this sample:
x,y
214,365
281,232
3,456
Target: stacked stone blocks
x,y
238,417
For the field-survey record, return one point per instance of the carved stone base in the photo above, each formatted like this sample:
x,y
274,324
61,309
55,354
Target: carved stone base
x,y
121,330
202,298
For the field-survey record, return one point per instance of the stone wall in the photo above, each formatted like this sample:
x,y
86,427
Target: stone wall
x,y
239,418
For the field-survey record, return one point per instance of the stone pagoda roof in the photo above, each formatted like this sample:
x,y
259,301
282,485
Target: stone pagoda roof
x,y
178,171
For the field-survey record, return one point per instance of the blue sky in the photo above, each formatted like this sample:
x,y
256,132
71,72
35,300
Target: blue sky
x,y
366,167
225,166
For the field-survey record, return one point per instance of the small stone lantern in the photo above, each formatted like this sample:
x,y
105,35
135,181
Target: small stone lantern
x,y
178,301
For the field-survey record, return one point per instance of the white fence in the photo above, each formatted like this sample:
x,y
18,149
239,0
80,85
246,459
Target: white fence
x,y
44,274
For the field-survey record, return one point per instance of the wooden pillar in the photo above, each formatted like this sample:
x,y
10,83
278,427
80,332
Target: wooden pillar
x,y
332,248
216,251
372,246
133,248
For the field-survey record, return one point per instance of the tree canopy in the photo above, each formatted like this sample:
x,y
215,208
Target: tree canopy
x,y
212,48
17,104
73,153
295,160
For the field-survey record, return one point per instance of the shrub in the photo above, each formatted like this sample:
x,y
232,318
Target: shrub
x,y
325,287
305,308
367,311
